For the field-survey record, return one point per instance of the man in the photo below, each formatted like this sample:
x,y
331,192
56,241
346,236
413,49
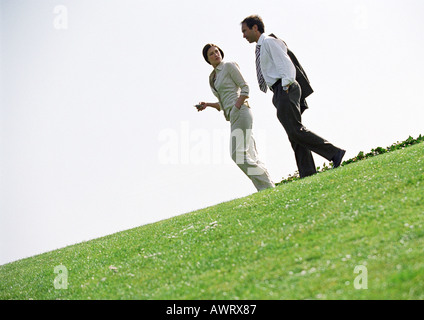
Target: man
x,y
276,71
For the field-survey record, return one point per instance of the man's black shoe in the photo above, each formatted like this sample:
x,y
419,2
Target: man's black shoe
x,y
337,159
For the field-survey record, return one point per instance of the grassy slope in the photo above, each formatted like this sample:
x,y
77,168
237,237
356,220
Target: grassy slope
x,y
301,240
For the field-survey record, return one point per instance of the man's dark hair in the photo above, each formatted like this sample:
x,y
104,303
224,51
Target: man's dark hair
x,y
250,21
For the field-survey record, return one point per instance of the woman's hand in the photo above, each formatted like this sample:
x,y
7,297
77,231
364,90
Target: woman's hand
x,y
240,101
202,106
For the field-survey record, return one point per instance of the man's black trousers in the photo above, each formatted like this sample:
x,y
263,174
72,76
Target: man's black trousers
x,y
302,140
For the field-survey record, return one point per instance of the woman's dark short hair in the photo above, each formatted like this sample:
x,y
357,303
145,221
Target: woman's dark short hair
x,y
250,21
206,49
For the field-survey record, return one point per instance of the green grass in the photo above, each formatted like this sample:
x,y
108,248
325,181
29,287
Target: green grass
x,y
301,240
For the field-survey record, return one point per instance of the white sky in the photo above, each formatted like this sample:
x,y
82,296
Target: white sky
x,y
98,130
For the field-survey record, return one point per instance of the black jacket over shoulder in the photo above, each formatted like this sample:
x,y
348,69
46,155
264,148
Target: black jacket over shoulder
x,y
301,78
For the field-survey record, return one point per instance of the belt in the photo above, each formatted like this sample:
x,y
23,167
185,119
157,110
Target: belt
x,y
278,83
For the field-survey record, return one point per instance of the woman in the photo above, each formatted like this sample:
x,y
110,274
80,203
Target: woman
x,y
229,87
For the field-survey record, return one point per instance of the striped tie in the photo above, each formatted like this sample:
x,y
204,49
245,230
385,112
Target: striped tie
x,y
261,80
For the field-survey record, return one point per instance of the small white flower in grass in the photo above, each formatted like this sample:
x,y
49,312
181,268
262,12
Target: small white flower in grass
x,y
113,268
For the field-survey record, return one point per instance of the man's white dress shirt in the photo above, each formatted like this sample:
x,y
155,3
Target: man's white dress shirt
x,y
275,62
